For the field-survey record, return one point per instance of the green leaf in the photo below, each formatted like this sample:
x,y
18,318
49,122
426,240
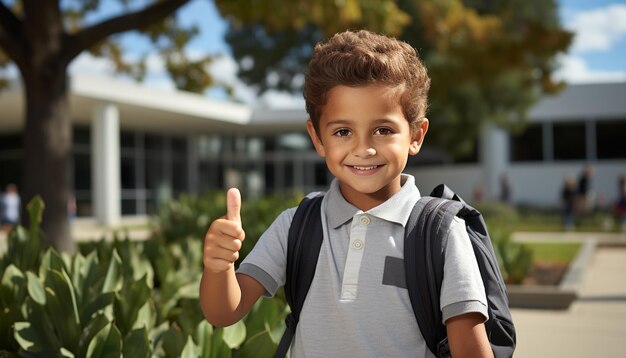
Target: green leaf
x,y
173,342
31,340
266,312
86,311
128,302
62,308
35,289
259,345
204,333
136,344
78,276
113,280
219,348
146,317
51,261
190,350
12,286
106,343
91,328
235,335
66,353
40,330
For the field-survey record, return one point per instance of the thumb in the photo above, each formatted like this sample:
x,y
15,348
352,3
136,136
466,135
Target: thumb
x,y
233,205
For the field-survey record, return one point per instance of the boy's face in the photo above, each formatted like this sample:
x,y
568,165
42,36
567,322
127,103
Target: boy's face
x,y
366,141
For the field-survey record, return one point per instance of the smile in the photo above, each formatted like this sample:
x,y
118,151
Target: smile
x,y
365,168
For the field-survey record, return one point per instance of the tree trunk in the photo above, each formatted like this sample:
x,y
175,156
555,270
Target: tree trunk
x,y
47,151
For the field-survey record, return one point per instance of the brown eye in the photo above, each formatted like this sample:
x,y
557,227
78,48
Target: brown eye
x,y
383,131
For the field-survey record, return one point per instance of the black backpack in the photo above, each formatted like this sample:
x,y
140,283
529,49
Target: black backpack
x,y
424,243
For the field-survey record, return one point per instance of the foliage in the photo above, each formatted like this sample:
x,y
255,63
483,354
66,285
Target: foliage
x,y
489,61
118,298
189,217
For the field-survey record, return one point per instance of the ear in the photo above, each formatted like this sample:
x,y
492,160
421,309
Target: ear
x,y
417,137
317,142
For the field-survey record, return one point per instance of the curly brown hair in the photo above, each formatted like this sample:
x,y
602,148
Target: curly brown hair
x,y
361,58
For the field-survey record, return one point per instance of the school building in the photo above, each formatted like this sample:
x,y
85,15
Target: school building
x,y
135,145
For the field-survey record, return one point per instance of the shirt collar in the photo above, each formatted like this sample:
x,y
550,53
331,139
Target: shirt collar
x,y
396,209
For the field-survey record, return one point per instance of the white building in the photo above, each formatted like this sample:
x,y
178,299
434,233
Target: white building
x,y
134,145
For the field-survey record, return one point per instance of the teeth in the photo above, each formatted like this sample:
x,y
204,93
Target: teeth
x,y
365,168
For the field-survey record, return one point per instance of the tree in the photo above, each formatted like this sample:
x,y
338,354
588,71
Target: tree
x,y
42,38
489,61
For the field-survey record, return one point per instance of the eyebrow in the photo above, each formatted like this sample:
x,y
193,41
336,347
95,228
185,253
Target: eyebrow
x,y
340,122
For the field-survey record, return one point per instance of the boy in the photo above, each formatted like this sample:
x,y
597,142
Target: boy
x,y
366,97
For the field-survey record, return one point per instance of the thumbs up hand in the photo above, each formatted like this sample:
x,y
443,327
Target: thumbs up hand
x,y
233,205
225,236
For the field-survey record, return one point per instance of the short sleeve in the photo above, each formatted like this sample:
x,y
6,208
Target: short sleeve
x,y
462,289
267,260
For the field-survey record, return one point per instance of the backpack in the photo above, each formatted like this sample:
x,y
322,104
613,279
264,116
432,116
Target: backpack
x,y
424,242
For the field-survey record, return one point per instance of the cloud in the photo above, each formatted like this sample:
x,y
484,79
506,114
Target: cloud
x,y
224,69
598,29
575,70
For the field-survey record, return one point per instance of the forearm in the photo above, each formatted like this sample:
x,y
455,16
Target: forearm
x,y
220,297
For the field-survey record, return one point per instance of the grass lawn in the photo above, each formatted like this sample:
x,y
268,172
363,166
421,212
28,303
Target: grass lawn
x,y
554,251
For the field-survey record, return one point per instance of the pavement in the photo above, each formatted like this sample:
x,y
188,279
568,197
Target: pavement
x,y
593,326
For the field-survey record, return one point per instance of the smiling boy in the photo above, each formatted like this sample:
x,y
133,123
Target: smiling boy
x,y
366,97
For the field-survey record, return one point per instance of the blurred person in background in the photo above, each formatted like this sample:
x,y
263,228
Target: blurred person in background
x,y
9,207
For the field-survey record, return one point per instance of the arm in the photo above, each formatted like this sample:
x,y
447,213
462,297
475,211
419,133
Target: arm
x,y
224,296
467,336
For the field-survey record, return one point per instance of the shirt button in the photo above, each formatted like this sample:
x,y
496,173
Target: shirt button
x,y
365,220
357,244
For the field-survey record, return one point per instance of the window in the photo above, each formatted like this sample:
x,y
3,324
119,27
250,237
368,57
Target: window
x,y
528,145
82,171
610,139
82,135
569,141
10,142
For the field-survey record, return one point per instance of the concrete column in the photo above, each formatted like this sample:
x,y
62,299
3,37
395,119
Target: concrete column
x,y
106,164
494,157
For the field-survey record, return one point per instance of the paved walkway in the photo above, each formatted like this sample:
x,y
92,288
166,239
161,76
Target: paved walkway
x,y
593,326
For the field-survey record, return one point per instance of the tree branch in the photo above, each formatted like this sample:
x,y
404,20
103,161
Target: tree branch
x,y
135,20
10,34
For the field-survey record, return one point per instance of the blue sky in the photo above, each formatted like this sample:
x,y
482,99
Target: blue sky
x,y
598,53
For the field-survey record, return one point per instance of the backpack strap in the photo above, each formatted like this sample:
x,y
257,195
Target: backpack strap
x,y
303,247
424,244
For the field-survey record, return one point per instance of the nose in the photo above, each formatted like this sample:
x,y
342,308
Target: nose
x,y
364,149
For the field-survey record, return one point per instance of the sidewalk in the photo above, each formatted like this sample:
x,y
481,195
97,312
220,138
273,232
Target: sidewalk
x,y
595,324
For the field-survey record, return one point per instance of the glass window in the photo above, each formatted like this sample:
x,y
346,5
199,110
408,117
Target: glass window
x,y
10,142
128,173
127,140
610,137
321,174
569,141
179,147
129,206
153,143
82,171
528,145
82,135
154,173
179,174
10,172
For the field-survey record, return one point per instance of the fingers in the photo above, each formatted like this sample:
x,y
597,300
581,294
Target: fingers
x,y
233,205
225,236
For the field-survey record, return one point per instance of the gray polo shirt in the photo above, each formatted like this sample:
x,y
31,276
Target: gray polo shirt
x,y
358,304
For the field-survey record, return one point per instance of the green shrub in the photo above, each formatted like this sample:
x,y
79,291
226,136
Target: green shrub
x,y
117,298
